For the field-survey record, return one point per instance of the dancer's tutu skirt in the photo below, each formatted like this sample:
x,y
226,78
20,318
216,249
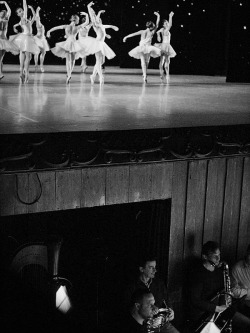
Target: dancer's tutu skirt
x,y
91,45
25,43
42,43
70,45
8,46
140,50
166,49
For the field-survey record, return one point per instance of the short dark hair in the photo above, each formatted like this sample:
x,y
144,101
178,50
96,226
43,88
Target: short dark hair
x,y
146,258
138,295
209,247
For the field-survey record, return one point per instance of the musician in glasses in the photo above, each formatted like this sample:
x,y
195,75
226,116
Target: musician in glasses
x,y
209,294
147,281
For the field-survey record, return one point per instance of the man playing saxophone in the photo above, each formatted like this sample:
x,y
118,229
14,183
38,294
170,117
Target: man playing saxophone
x,y
208,294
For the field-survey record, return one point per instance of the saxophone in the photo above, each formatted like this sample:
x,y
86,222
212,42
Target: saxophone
x,y
159,319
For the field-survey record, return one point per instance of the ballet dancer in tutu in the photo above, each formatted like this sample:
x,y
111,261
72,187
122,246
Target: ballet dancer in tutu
x,y
145,50
82,34
70,49
5,44
25,41
167,52
97,45
41,41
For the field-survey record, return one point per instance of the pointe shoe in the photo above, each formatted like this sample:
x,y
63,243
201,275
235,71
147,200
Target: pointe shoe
x,y
42,69
101,80
26,80
22,78
145,79
84,68
1,77
68,79
92,79
36,68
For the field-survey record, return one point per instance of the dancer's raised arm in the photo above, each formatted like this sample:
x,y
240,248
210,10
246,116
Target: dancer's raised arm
x,y
99,14
33,13
157,20
83,25
8,14
92,14
54,29
132,35
25,10
38,20
170,20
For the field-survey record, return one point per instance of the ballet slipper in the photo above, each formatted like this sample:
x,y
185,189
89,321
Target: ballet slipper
x,y
92,79
101,80
68,79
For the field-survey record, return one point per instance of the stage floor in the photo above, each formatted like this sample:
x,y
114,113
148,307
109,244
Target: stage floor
x,y
46,104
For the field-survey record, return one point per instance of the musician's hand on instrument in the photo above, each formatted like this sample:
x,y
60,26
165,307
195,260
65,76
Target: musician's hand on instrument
x,y
220,308
156,322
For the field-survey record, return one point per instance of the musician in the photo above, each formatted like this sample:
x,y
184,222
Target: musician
x,y
147,281
205,297
140,310
241,282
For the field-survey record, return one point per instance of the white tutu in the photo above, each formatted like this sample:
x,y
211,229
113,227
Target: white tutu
x,y
91,45
42,43
166,49
8,46
70,45
145,48
25,43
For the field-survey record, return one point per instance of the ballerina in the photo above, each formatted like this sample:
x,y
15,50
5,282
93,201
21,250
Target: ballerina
x,y
71,49
167,52
25,41
82,34
97,46
145,50
5,44
41,41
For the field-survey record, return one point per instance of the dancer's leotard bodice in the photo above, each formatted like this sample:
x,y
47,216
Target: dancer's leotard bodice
x,y
146,38
100,33
71,31
3,28
40,31
83,32
166,37
26,28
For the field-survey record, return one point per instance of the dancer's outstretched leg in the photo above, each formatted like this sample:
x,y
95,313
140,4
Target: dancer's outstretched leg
x,y
144,68
42,57
26,66
22,60
36,57
2,53
166,67
68,67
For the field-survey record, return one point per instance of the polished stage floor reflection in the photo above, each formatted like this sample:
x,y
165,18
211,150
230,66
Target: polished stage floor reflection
x,y
47,104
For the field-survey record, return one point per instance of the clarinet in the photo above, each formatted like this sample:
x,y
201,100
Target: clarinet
x,y
228,293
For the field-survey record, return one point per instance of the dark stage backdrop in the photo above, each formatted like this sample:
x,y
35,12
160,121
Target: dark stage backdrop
x,y
200,33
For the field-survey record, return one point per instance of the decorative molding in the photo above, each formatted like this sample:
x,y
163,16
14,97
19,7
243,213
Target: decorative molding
x,y
29,152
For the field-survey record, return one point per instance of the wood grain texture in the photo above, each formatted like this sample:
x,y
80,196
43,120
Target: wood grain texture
x,y
93,187
214,200
196,195
68,189
244,224
162,174
231,211
117,185
140,183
